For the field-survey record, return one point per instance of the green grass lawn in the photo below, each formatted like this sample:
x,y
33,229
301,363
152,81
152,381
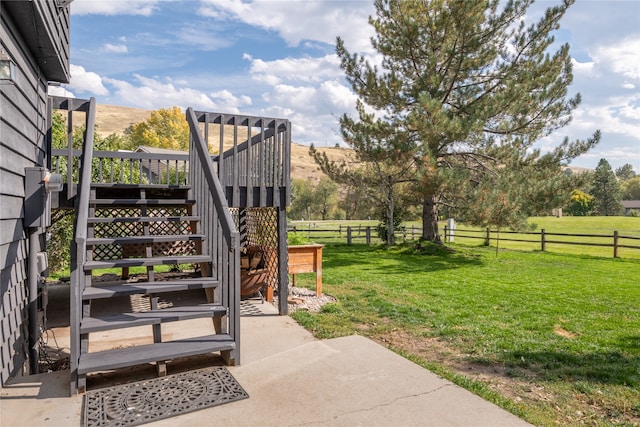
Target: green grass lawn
x,y
554,338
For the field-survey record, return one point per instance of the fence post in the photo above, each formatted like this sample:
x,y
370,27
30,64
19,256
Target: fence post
x,y
340,230
487,239
615,243
368,235
445,233
543,240
413,236
349,235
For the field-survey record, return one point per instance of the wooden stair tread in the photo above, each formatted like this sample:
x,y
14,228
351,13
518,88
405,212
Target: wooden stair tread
x,y
142,288
151,317
136,262
145,239
130,356
96,220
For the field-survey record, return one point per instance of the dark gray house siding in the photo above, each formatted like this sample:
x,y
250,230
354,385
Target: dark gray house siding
x,y
35,34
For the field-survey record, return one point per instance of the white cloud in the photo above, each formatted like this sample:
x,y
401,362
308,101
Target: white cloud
x,y
621,58
60,91
224,97
115,48
86,81
200,37
152,93
583,68
610,102
113,7
300,20
295,69
339,96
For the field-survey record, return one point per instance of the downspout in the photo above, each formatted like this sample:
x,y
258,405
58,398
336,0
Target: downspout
x,y
34,275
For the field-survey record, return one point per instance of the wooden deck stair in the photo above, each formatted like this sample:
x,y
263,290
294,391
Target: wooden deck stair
x,y
148,226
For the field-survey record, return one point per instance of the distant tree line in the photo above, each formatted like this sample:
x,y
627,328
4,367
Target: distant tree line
x,y
600,193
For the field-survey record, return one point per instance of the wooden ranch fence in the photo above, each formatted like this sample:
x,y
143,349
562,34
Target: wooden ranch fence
x,y
541,240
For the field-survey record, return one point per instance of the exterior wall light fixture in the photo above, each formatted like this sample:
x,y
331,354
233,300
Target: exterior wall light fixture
x,y
7,69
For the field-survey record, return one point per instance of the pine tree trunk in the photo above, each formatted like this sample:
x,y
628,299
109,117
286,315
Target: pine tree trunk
x,y
430,219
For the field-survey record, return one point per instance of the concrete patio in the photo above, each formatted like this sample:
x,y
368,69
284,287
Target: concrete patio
x,y
292,379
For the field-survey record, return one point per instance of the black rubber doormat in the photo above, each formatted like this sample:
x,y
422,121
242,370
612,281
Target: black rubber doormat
x,y
147,401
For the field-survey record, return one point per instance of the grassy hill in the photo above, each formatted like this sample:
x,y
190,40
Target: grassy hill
x,y
112,119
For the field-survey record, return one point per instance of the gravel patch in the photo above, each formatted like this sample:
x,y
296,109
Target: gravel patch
x,y
305,299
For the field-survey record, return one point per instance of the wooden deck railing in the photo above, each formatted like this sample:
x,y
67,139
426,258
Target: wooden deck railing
x,y
256,171
126,167
254,168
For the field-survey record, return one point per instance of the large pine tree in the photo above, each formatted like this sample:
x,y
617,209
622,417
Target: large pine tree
x,y
466,89
606,190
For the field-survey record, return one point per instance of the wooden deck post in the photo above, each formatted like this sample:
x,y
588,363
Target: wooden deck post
x,y
283,274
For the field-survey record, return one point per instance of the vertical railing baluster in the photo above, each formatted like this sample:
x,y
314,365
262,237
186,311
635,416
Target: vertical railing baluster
x,y
276,165
261,166
221,165
186,181
234,173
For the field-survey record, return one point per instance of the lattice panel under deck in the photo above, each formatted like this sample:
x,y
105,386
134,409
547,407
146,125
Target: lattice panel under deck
x,y
125,229
262,230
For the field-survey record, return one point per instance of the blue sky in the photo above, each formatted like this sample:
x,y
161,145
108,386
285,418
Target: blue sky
x,y
276,58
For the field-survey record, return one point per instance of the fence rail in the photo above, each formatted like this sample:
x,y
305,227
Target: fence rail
x,y
536,240
615,240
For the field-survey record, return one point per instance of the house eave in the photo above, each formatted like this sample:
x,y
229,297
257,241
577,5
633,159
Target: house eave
x,y
42,40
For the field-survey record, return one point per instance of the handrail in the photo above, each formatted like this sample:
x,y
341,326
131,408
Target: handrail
x,y
219,200
84,182
79,244
223,239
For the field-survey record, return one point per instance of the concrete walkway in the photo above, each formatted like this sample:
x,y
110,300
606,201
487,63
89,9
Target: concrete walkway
x,y
292,380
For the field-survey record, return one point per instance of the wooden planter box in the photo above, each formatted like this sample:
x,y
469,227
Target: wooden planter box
x,y
306,259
